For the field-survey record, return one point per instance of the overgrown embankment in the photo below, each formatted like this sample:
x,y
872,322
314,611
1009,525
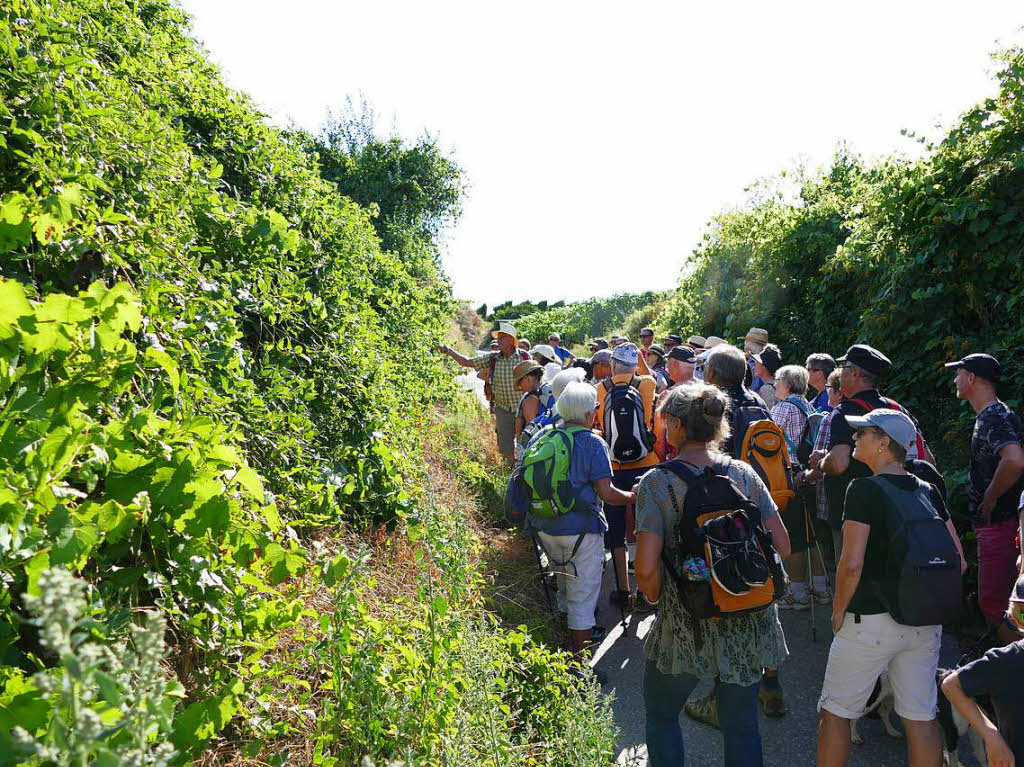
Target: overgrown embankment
x,y
208,412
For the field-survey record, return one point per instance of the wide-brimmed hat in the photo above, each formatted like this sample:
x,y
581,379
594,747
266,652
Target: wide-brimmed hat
x,y
712,341
770,357
656,349
545,351
755,340
508,329
524,368
696,342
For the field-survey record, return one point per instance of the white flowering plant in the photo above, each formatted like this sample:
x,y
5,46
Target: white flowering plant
x,y
112,705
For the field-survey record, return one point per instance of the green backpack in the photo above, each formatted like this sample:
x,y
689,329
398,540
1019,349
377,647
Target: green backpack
x,y
546,472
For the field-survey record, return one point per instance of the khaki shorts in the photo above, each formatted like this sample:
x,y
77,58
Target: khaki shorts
x,y
579,582
859,654
505,428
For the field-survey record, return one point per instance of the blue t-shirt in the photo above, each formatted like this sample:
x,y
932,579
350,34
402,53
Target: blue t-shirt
x,y
590,462
562,353
821,403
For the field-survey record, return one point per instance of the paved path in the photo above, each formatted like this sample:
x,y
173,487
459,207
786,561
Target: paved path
x,y
470,382
788,742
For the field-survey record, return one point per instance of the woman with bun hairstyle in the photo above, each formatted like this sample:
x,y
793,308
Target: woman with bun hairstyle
x,y
732,651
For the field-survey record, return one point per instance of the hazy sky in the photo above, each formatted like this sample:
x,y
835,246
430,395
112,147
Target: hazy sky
x,y
599,138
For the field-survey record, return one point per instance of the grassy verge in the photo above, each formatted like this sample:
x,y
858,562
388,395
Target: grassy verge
x,y
430,645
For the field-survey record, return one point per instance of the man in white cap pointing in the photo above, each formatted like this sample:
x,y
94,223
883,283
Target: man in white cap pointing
x,y
502,364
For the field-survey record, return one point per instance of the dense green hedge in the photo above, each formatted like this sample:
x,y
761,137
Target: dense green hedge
x,y
581,321
920,258
209,366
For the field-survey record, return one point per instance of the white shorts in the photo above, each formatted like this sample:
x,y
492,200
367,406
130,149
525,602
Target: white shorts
x,y
580,580
859,654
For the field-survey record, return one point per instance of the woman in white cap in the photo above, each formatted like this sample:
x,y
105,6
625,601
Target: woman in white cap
x,y
887,618
545,355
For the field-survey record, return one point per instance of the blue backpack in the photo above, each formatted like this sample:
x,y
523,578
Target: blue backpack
x,y
801,452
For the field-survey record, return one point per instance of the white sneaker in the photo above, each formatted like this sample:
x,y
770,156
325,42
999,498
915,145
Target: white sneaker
x,y
792,602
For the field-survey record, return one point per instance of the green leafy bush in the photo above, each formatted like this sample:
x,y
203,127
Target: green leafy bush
x,y
919,258
580,321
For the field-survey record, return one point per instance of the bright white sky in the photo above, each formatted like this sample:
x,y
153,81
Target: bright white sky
x,y
599,138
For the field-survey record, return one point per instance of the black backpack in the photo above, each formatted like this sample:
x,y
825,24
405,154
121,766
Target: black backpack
x,y
922,584
625,426
724,564
744,413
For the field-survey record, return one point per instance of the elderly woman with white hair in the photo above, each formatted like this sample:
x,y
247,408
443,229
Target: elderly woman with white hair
x,y
575,541
791,412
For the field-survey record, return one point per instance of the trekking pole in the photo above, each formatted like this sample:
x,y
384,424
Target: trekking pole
x,y
543,572
810,568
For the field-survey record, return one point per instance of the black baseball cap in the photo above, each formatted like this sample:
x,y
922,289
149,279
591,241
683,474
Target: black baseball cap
x,y
683,354
984,365
674,338
600,343
657,349
867,358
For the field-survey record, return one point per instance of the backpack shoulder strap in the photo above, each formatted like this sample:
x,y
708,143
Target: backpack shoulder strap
x,y
868,407
685,472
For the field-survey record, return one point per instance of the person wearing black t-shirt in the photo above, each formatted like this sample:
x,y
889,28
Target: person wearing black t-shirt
x,y
862,369
868,639
998,674
995,484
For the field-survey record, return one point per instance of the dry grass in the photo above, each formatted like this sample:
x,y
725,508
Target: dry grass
x,y
510,584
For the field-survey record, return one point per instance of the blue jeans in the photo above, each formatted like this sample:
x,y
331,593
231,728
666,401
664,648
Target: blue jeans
x,y
664,696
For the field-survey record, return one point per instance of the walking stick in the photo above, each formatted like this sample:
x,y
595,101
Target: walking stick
x,y
809,534
544,574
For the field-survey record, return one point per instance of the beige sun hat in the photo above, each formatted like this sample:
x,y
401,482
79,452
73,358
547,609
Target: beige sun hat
x,y
545,351
696,342
755,340
712,341
524,369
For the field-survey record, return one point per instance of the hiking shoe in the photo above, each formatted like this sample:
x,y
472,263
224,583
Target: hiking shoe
x,y
792,602
771,701
704,710
621,599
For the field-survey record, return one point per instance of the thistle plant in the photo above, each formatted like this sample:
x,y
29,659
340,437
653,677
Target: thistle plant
x,y
109,706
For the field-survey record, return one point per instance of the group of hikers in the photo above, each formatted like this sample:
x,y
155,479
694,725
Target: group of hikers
x,y
729,476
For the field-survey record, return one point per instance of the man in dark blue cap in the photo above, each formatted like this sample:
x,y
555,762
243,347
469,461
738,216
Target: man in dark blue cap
x,y
862,370
995,483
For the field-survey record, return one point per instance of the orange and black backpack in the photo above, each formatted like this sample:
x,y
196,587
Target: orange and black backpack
x,y
725,564
764,448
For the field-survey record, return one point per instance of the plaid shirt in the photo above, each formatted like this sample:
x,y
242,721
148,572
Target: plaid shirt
x,y
792,422
821,443
503,384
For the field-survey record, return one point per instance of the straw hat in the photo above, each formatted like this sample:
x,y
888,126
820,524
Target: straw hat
x,y
755,340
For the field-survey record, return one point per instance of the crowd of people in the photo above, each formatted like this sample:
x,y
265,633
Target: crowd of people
x,y
865,502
